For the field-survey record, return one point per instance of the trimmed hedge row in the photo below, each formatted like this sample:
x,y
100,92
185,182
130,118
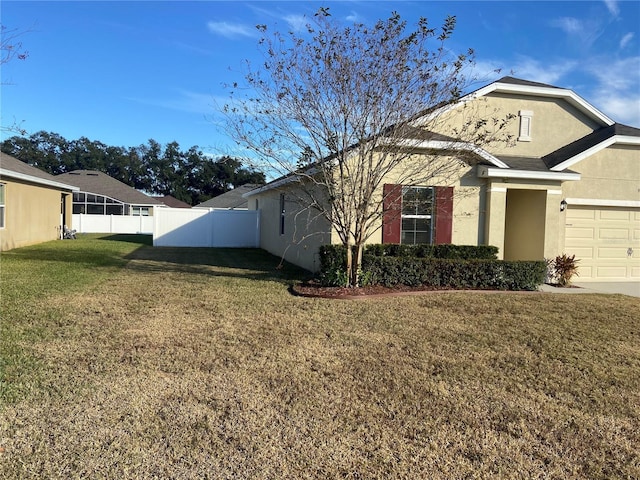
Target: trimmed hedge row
x,y
454,252
437,266
456,274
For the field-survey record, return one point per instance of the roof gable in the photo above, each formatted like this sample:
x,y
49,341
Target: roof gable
x,y
231,199
172,202
576,151
525,87
11,167
102,184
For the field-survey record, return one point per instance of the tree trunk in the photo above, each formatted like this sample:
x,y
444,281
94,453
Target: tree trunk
x,y
349,265
356,264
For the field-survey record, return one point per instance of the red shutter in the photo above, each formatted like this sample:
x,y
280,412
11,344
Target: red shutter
x,y
444,215
391,213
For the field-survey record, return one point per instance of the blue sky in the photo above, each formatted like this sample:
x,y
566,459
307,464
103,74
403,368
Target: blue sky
x,y
123,72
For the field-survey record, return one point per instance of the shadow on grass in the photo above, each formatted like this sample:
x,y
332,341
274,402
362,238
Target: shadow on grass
x,y
228,262
137,253
88,250
130,238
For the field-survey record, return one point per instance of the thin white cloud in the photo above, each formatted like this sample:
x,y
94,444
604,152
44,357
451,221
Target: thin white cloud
x,y
534,70
615,73
297,23
583,32
353,17
625,40
231,30
570,25
622,108
185,101
616,92
612,6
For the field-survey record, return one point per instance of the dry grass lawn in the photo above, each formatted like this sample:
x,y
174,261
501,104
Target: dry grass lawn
x,y
198,363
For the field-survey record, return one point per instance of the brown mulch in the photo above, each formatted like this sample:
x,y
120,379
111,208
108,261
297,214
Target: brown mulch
x,y
315,290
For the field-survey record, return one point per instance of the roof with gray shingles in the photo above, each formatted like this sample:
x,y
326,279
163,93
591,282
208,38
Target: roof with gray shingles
x,y
588,141
231,199
91,181
173,202
526,83
11,165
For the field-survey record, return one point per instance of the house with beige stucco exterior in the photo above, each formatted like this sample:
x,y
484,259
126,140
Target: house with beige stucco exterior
x,y
34,206
569,182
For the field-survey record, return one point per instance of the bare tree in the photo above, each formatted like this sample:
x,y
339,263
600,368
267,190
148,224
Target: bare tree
x,y
338,109
10,49
10,45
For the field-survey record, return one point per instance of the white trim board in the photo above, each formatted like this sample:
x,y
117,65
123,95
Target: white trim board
x,y
491,172
602,202
37,180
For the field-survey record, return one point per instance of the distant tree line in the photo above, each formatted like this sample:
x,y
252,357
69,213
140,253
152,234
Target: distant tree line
x,y
190,176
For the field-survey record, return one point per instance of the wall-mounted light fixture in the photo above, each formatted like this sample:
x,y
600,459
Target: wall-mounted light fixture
x,y
563,205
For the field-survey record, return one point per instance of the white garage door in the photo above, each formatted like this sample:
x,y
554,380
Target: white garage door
x,y
606,240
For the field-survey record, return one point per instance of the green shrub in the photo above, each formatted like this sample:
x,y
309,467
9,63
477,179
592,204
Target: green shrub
x,y
437,266
333,265
456,274
461,252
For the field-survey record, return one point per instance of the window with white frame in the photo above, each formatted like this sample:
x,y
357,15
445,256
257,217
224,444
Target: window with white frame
x,y
2,205
140,211
417,215
526,119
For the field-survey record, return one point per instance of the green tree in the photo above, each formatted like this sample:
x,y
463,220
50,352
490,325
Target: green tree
x,y
190,176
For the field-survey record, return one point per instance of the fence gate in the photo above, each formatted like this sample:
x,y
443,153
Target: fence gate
x,y
199,227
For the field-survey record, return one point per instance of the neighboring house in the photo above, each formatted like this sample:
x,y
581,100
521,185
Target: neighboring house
x,y
172,202
570,184
34,206
231,200
100,194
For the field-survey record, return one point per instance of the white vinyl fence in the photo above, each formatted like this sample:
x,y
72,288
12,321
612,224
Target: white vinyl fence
x,y
112,223
198,227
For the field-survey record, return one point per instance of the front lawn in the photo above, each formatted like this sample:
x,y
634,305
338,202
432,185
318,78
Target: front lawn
x,y
118,360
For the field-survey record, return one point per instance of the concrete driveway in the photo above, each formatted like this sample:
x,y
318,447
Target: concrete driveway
x,y
625,288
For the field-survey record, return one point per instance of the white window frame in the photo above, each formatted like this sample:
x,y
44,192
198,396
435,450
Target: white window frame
x,y
418,216
140,211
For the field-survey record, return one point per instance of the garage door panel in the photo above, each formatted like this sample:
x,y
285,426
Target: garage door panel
x,y
611,272
635,272
581,252
580,213
614,215
574,232
619,253
636,234
613,233
585,271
